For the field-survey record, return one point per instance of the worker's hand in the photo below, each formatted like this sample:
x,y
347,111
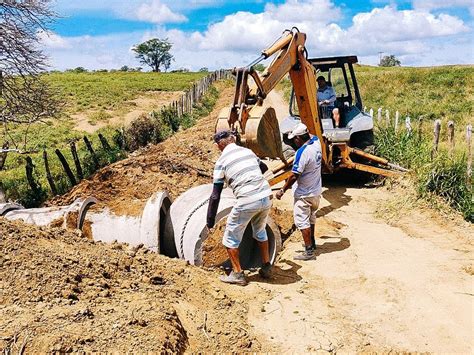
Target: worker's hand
x,y
279,194
210,224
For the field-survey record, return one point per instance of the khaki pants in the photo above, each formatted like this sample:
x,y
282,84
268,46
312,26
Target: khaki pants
x,y
304,211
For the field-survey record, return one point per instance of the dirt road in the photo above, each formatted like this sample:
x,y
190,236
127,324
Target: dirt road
x,y
372,287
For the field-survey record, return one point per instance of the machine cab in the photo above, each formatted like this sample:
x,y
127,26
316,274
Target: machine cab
x,y
355,125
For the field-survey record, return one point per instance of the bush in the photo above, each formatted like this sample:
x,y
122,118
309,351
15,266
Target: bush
x,y
445,176
144,130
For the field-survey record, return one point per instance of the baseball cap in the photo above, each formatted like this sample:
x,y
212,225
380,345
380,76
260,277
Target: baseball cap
x,y
299,130
221,135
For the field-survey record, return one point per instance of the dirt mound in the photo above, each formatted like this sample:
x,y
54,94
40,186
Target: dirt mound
x,y
181,162
63,292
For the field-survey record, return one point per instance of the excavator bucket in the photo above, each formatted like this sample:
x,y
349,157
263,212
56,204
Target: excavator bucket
x,y
261,132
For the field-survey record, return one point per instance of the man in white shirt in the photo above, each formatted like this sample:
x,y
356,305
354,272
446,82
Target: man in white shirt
x,y
307,187
327,99
243,172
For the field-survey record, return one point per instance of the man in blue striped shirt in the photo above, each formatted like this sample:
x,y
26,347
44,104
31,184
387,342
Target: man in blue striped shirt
x,y
243,172
306,184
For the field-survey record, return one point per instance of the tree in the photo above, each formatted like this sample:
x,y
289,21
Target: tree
x,y
155,53
390,61
24,97
124,68
204,70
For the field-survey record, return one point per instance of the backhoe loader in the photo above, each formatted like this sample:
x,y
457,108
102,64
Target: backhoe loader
x,y
257,127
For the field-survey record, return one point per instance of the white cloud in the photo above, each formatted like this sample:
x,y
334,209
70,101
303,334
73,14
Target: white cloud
x,y
389,24
157,12
240,37
52,40
441,4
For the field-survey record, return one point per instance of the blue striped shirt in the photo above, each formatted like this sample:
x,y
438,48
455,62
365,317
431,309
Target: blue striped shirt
x,y
239,168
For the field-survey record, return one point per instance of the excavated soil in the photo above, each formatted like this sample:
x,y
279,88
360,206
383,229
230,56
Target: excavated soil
x,y
213,252
63,292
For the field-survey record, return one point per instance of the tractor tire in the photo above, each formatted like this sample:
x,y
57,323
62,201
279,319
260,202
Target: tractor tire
x,y
363,140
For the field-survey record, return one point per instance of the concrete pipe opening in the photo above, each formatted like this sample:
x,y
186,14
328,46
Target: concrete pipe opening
x,y
147,229
185,230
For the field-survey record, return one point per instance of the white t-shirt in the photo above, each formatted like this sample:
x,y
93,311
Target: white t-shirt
x,y
307,165
239,167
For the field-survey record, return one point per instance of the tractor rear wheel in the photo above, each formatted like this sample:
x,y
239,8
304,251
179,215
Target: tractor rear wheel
x,y
363,140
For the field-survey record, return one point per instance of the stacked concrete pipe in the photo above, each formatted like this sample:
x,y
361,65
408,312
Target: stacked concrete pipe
x,y
185,228
46,215
9,206
146,229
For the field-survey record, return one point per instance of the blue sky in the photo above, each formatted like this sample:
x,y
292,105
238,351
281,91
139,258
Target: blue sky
x,y
217,33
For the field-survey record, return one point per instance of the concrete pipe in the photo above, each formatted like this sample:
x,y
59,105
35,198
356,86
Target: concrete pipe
x,y
146,229
7,207
71,216
185,229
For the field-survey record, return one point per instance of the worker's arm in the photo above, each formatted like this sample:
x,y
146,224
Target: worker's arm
x,y
288,184
213,204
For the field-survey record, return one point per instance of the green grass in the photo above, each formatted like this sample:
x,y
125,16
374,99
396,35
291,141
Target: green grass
x,y
437,92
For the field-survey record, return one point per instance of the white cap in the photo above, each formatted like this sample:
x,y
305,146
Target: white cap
x,y
299,130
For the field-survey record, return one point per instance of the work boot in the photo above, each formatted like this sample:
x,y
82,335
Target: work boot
x,y
312,247
236,278
308,254
265,271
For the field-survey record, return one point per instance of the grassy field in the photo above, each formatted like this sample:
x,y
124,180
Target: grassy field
x,y
83,91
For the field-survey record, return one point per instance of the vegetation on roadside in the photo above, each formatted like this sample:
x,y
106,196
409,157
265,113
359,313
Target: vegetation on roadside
x,y
159,125
433,174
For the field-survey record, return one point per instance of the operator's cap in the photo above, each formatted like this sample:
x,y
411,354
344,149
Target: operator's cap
x,y
221,135
299,130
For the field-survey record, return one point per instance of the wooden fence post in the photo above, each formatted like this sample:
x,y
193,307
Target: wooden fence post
x,y
469,155
50,179
436,131
451,137
420,127
387,117
371,113
104,142
91,150
75,157
379,114
408,125
397,117
29,174
3,156
66,167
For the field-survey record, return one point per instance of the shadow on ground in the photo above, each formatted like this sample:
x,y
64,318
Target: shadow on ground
x,y
280,276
